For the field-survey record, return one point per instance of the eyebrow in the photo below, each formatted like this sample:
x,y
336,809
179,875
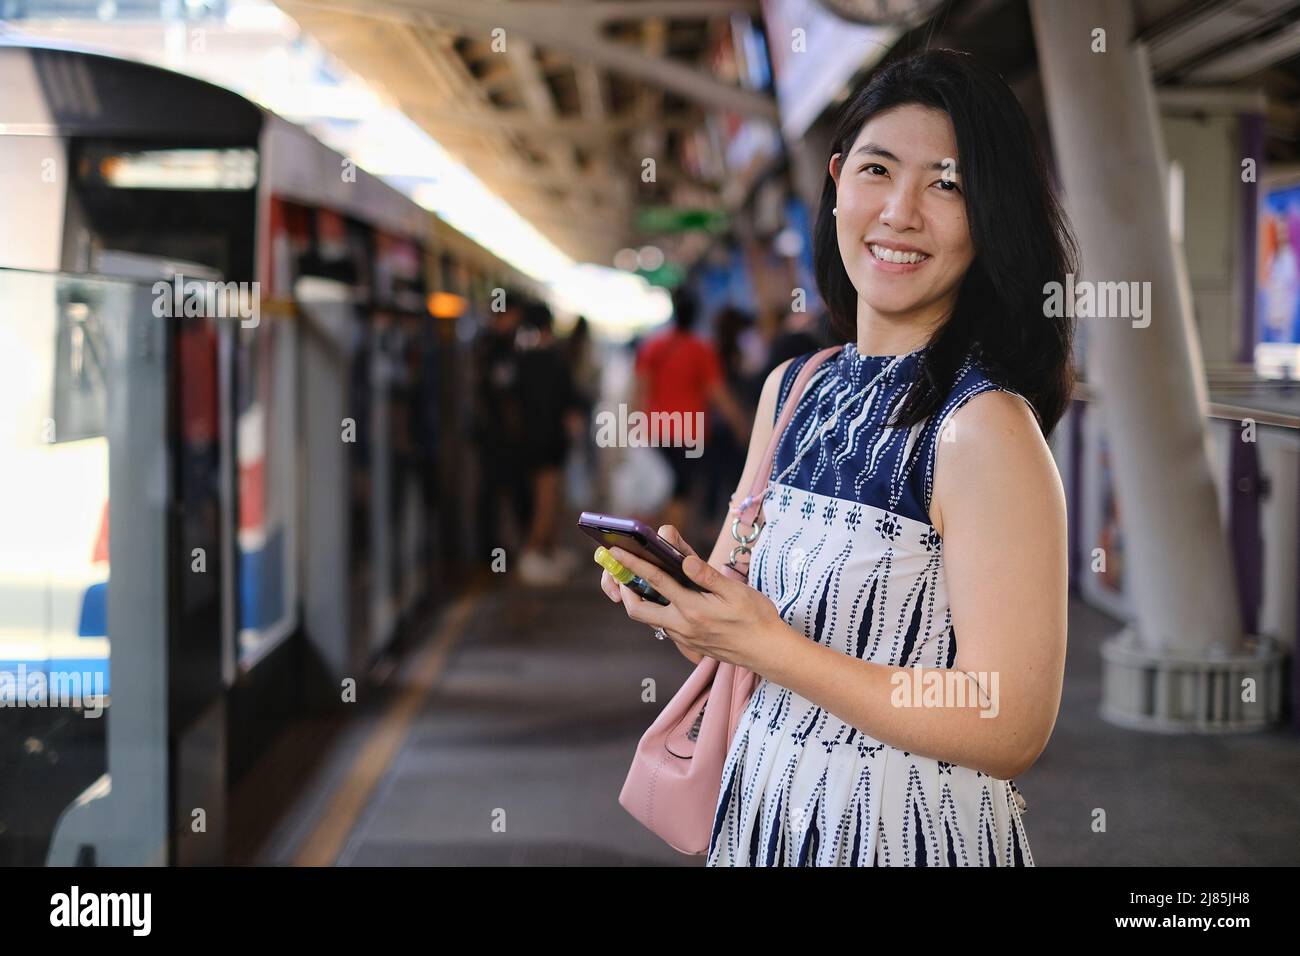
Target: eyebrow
x,y
874,149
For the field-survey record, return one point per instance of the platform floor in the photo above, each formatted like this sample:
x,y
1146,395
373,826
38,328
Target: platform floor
x,y
512,736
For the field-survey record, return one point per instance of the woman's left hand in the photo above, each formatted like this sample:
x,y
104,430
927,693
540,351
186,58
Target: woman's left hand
x,y
729,621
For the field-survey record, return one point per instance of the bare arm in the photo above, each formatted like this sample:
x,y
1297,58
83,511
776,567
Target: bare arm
x,y
1001,511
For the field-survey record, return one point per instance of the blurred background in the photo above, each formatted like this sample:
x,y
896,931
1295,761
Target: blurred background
x,y
320,307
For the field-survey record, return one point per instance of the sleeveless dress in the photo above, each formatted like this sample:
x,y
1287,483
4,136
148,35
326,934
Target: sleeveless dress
x,y
850,559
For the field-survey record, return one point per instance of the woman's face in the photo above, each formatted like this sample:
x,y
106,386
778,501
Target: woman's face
x,y
901,214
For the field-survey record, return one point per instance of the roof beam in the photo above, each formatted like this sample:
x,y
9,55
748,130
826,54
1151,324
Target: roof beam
x,y
532,85
536,94
570,127
573,28
597,11
591,92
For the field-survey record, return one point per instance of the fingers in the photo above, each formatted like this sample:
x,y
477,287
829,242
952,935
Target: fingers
x,y
705,574
648,612
674,537
610,587
660,580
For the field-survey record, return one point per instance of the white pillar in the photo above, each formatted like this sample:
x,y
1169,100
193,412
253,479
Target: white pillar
x,y
1103,118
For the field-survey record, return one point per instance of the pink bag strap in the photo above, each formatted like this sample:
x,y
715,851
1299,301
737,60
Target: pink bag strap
x,y
747,510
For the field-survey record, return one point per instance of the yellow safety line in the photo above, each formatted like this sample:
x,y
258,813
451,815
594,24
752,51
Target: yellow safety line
x,y
323,846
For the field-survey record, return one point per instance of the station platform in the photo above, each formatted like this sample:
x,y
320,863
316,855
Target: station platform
x,y
510,727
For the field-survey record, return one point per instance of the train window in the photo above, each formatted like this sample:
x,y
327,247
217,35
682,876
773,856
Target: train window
x,y
194,169
79,363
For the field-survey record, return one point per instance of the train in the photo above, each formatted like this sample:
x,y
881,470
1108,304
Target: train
x,y
233,476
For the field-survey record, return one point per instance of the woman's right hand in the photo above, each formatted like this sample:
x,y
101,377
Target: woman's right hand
x,y
669,534
674,537
610,587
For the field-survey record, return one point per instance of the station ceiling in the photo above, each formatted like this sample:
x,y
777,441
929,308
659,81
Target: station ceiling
x,y
554,105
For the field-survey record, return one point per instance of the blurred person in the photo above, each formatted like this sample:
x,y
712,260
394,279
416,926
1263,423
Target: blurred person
x,y
798,333
897,557
552,411
679,374
726,456
580,352
585,367
423,372
498,428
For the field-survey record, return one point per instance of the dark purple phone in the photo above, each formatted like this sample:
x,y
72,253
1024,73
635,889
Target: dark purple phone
x,y
636,537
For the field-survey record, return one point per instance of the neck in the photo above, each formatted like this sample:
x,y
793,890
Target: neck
x,y
881,333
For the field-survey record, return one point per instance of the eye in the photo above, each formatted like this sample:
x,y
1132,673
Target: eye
x,y
948,186
876,169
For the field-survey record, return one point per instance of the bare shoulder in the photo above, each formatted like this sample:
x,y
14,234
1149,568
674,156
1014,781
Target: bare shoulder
x,y
992,452
997,416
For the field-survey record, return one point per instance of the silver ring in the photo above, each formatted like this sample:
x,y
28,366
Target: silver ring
x,y
660,633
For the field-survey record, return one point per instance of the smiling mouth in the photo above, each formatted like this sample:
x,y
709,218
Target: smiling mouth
x,y
896,256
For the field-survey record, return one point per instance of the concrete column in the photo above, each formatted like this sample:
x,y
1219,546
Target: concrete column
x,y
1102,112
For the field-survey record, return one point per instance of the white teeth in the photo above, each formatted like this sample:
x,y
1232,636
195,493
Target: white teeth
x,y
893,255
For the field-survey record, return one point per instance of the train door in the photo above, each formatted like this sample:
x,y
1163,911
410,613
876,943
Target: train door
x,y
166,530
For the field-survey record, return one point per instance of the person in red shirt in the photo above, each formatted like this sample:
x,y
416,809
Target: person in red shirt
x,y
679,372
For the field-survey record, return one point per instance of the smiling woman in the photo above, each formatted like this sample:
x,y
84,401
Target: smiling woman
x,y
904,217
912,499
936,156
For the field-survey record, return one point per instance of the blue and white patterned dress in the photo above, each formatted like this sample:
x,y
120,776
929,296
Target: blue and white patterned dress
x,y
849,557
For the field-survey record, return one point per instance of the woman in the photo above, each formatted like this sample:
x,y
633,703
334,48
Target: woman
x,y
915,525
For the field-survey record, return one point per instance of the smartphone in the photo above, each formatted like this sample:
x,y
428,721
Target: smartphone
x,y
637,537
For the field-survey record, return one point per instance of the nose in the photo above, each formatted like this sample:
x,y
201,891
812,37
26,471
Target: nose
x,y
901,211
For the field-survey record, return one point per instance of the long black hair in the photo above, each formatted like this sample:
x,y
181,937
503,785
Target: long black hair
x,y
1021,237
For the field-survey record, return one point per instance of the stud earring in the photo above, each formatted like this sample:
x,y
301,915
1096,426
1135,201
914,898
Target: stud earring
x,y
835,210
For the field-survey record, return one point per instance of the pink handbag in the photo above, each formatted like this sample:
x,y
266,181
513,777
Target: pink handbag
x,y
676,775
